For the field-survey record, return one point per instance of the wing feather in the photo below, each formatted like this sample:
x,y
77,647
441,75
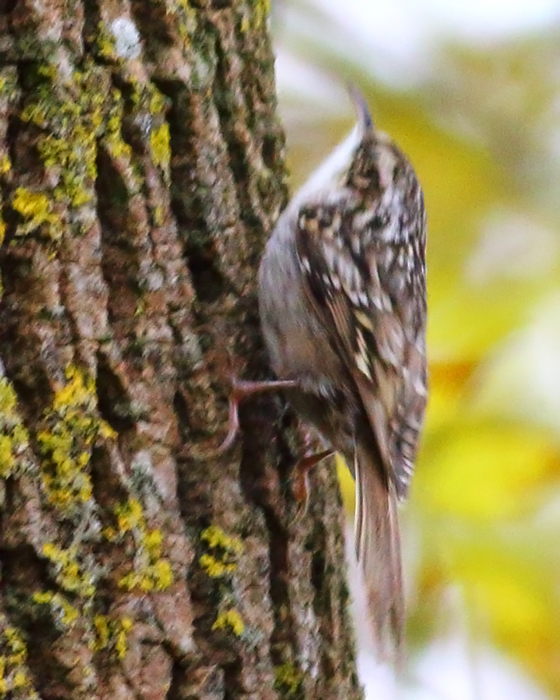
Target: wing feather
x,y
369,329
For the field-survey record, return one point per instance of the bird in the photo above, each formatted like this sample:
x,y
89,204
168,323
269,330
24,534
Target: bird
x,y
342,305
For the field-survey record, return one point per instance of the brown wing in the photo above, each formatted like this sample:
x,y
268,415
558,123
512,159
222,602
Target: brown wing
x,y
365,289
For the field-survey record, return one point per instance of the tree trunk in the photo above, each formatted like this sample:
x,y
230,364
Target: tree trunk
x,y
141,170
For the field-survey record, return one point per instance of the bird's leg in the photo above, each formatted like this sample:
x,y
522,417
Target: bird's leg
x,y
304,465
242,389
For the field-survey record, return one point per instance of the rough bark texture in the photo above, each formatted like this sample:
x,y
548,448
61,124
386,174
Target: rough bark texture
x,y
140,173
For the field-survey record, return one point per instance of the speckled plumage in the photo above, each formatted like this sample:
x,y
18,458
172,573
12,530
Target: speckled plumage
x,y
342,289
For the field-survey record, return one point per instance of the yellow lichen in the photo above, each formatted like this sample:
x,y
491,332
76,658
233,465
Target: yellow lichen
x,y
215,568
36,209
230,619
42,597
75,160
69,108
121,635
188,22
288,680
48,70
13,670
153,541
261,12
109,533
151,572
111,634
216,537
150,577
13,436
117,145
20,680
35,113
162,574
158,215
157,100
8,399
225,552
105,43
65,612
16,645
7,459
5,164
68,572
159,143
68,431
103,633
129,515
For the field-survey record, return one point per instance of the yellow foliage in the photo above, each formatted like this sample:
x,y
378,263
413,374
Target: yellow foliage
x,y
484,471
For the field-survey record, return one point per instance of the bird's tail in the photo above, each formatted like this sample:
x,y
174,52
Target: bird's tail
x,y
379,553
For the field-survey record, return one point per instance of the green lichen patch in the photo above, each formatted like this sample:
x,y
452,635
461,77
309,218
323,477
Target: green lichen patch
x,y
223,554
14,438
151,571
15,681
69,429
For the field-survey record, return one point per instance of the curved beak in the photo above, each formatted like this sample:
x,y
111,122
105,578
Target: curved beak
x,y
362,110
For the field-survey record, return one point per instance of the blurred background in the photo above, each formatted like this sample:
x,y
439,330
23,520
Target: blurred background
x,y
471,92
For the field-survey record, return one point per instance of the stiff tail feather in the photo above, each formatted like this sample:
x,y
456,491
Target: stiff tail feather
x,y
379,553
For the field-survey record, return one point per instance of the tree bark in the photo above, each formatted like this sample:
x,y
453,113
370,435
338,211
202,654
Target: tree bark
x,y
141,171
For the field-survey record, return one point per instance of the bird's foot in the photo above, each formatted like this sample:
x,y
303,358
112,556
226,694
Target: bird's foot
x,y
242,389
